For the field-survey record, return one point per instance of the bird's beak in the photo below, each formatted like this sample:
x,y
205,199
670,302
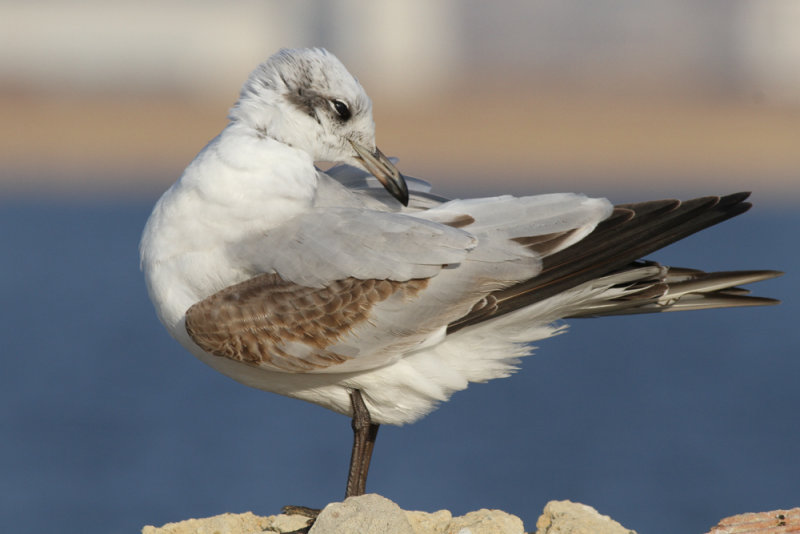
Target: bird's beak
x,y
381,168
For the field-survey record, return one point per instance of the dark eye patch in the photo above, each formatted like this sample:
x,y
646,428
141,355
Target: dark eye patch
x,y
341,109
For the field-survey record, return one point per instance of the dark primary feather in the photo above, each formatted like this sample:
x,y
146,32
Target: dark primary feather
x,y
631,232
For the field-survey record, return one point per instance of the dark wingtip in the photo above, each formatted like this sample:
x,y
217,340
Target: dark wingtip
x,y
737,197
769,274
762,301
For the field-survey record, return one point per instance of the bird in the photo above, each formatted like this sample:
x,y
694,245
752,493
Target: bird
x,y
360,290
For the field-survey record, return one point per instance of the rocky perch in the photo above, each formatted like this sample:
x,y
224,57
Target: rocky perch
x,y
373,514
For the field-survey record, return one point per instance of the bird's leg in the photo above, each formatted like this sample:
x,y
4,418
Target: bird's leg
x,y
364,434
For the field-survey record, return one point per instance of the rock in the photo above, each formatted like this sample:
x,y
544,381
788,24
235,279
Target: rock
x,y
485,522
774,522
284,524
435,523
373,514
367,514
480,522
246,523
565,517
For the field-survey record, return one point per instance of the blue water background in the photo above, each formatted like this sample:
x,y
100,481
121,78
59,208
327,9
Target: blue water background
x,y
667,423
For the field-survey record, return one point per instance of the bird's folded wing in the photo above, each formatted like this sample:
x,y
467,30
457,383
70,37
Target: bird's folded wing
x,y
327,244
327,276
552,221
283,326
347,289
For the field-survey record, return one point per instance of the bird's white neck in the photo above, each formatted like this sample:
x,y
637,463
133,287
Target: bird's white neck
x,y
242,184
244,181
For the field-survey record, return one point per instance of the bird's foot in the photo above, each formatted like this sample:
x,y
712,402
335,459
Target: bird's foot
x,y
305,511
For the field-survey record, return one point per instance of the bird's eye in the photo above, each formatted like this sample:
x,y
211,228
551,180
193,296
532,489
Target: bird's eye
x,y
341,109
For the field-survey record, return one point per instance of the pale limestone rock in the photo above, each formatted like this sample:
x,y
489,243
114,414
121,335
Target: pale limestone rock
x,y
485,522
246,523
367,514
565,517
287,523
479,522
425,523
373,514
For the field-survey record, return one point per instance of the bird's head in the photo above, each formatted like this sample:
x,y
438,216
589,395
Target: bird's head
x,y
308,100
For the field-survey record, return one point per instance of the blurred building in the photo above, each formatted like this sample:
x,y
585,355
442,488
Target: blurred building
x,y
201,46
769,40
539,95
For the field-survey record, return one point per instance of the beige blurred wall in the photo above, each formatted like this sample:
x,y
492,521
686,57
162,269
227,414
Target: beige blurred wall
x,y
116,97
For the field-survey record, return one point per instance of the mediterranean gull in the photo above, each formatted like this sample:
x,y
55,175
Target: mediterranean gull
x,y
359,290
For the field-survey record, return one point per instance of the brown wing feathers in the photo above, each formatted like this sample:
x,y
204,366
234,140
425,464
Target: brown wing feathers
x,y
254,320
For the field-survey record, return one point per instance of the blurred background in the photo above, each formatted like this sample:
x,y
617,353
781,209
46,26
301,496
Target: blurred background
x,y
541,95
666,423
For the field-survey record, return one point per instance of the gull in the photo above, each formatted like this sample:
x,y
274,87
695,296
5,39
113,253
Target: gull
x,y
359,290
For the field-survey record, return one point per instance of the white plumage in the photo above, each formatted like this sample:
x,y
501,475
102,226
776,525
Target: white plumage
x,y
252,203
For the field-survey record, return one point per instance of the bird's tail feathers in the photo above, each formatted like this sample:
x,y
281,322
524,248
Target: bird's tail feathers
x,y
647,287
604,263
